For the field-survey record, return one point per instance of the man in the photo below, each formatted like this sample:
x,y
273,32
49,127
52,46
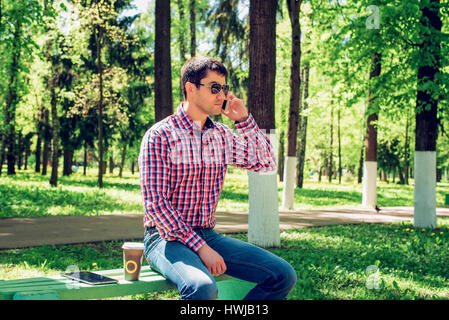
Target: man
x,y
182,163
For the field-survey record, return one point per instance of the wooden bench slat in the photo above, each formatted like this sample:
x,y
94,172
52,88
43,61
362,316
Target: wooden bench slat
x,y
55,287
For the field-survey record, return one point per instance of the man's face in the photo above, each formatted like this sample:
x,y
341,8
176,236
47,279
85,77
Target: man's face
x,y
207,102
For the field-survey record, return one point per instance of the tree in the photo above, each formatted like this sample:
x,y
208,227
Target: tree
x,y
294,7
163,100
192,28
369,198
53,57
263,221
426,114
99,17
231,41
302,130
19,19
12,99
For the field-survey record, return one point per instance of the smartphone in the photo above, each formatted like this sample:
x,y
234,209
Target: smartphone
x,y
89,277
223,106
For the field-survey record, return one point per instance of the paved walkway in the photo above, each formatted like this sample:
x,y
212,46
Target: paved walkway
x,y
29,232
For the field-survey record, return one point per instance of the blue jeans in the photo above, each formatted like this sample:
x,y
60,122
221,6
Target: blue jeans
x,y
274,277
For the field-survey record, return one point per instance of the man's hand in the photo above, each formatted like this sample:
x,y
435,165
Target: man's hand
x,y
235,109
212,260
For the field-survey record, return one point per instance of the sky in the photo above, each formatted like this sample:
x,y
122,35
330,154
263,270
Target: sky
x,y
142,6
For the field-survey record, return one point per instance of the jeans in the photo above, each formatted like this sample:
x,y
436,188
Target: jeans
x,y
274,277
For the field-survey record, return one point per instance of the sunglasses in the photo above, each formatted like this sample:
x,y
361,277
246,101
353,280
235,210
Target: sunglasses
x,y
215,88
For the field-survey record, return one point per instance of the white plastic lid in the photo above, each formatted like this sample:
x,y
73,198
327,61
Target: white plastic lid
x,y
133,245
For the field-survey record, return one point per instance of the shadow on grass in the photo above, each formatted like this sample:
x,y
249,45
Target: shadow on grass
x,y
234,196
108,182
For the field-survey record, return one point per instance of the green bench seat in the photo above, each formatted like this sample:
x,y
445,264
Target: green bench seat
x,y
61,288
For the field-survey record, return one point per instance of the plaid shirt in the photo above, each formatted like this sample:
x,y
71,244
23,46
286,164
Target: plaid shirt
x,y
182,169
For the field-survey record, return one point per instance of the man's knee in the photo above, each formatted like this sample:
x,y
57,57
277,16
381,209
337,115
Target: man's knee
x,y
289,277
204,289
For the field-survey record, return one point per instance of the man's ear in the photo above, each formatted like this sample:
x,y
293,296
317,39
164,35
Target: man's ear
x,y
189,88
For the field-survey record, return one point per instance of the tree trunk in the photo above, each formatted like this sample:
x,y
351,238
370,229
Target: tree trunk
x,y
263,220
55,134
406,149
68,161
2,150
85,160
330,164
303,128
47,139
426,116
362,149
111,164
27,149
369,198
339,146
281,157
39,129
294,7
20,150
163,100
192,28
100,107
122,162
360,171
182,46
11,102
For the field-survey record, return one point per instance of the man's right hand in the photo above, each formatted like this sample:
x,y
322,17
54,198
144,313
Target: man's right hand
x,y
212,260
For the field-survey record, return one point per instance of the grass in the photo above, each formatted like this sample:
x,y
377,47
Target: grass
x,y
345,262
366,261
30,195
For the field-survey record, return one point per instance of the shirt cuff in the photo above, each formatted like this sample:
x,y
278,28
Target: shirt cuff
x,y
247,124
193,241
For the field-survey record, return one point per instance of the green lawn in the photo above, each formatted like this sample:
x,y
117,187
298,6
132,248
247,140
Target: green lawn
x,y
366,261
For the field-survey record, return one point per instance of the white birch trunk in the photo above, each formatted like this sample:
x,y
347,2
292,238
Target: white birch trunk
x,y
288,192
263,217
369,196
425,189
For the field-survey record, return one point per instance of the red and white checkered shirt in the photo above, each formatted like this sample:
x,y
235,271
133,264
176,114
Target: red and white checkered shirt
x,y
182,169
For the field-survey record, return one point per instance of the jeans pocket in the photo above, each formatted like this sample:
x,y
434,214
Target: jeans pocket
x,y
149,241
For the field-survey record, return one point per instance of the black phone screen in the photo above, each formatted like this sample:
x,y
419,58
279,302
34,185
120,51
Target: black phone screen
x,y
89,277
223,106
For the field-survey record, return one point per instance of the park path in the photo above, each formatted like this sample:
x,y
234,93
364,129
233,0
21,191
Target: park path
x,y
56,230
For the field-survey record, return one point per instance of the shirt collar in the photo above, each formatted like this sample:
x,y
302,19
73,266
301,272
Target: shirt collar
x,y
188,123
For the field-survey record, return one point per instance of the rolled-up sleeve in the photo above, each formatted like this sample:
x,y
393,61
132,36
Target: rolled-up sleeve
x,y
250,148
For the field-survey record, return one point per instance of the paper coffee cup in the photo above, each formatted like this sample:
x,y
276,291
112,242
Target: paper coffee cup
x,y
132,259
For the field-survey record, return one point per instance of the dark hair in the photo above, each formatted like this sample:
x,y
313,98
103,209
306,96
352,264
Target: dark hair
x,y
196,69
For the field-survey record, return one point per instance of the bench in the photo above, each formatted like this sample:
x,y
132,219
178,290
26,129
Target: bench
x,y
61,288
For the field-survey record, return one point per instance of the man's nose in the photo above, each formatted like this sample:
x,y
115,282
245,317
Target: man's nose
x,y
221,94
